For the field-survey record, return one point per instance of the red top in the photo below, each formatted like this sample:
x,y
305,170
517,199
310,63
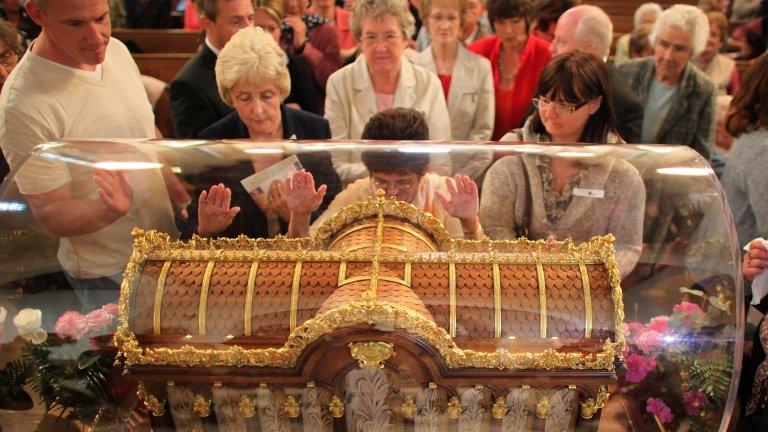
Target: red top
x,y
445,80
512,103
346,39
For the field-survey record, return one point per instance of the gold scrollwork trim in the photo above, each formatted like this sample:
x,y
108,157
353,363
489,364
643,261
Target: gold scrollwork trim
x,y
150,401
590,406
587,299
496,301
542,297
342,272
355,313
157,309
295,295
381,278
407,273
203,308
383,245
248,313
452,298
371,353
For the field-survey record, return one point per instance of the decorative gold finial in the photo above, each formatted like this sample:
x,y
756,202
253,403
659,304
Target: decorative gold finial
x,y
453,410
499,408
151,402
409,407
201,407
543,407
246,407
602,397
381,194
371,353
590,406
291,407
336,407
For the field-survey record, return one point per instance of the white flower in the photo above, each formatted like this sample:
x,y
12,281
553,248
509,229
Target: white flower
x,y
3,314
28,322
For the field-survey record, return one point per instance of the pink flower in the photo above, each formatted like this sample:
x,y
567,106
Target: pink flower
x,y
660,409
98,319
687,307
659,324
638,367
635,327
111,308
72,324
648,341
694,400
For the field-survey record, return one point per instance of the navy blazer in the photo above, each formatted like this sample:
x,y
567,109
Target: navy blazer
x,y
194,97
251,221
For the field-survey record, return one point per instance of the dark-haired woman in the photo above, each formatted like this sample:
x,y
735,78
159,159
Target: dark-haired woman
x,y
542,197
402,175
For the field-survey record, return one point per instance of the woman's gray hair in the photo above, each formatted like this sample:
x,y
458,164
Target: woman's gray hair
x,y
380,8
687,18
251,56
644,9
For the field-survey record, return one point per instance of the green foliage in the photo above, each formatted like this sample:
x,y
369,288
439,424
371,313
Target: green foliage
x,y
13,377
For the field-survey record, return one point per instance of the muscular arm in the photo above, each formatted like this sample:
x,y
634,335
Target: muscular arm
x,y
61,214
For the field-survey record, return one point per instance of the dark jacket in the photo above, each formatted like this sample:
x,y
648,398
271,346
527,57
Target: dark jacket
x,y
626,107
195,100
251,221
304,90
691,117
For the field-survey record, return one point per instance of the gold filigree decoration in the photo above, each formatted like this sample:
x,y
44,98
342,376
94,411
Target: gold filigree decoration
x,y
336,407
453,409
452,298
371,353
248,312
543,407
201,406
590,406
355,313
150,401
246,407
496,301
587,298
203,308
542,297
291,407
409,407
499,408
294,312
159,290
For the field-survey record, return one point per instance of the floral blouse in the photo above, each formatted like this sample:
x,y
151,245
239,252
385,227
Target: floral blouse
x,y
556,204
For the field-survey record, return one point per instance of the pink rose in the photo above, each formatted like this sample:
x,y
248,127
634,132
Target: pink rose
x,y
98,319
694,400
635,327
687,307
688,313
659,324
660,409
648,341
71,324
111,308
638,367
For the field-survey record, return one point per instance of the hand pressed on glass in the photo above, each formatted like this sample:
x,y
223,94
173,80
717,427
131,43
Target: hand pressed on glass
x,y
214,214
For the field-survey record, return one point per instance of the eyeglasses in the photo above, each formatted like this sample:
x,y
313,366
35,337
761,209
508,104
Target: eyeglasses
x,y
387,39
396,184
9,58
544,103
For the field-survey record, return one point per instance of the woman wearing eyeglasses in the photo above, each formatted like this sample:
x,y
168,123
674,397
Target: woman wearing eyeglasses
x,y
402,175
379,79
541,197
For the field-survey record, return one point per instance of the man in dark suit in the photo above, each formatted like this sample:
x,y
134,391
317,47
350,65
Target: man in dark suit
x,y
195,100
588,28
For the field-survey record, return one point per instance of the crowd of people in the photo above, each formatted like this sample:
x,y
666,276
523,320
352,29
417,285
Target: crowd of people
x,y
452,70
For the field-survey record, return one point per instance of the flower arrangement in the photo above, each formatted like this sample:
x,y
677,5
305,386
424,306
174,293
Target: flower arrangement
x,y
679,367
71,368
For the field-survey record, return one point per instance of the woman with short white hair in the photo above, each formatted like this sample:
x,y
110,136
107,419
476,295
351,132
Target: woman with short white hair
x,y
645,15
252,77
679,99
379,79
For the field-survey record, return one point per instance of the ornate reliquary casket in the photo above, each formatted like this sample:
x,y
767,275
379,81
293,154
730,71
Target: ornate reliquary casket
x,y
380,322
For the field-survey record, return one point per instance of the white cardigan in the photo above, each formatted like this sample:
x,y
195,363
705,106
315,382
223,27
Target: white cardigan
x,y
350,101
471,106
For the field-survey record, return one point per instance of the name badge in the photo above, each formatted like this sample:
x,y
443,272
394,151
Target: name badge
x,y
589,193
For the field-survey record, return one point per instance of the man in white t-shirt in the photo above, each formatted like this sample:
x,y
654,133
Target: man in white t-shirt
x,y
77,82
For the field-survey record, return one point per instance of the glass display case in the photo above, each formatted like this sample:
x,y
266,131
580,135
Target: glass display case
x,y
364,286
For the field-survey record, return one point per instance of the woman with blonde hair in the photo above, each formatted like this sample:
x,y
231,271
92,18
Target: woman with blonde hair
x,y
251,77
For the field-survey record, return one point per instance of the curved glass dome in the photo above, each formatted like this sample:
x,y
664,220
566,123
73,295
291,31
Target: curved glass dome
x,y
397,303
